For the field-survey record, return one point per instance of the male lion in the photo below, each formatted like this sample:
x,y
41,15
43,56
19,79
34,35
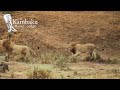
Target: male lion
x,y
16,51
84,51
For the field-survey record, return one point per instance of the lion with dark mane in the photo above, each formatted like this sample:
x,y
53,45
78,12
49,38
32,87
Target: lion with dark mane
x,y
83,50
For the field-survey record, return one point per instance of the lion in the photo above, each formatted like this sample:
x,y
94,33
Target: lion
x,y
83,51
76,47
2,49
16,51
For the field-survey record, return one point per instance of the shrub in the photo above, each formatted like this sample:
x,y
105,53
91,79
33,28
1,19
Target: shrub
x,y
22,59
40,74
61,61
53,58
112,61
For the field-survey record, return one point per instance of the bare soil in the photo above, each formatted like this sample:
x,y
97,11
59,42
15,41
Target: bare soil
x,y
56,29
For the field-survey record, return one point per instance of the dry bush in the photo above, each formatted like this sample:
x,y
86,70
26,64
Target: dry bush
x,y
22,59
48,58
107,61
53,58
61,61
112,61
57,59
38,73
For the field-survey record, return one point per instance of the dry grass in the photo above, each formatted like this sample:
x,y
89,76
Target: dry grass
x,y
57,59
79,70
58,28
53,58
38,73
54,31
108,61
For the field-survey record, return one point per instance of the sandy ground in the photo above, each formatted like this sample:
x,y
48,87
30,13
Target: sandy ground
x,y
79,70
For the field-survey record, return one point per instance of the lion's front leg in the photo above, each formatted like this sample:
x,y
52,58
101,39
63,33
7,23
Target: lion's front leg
x,y
7,57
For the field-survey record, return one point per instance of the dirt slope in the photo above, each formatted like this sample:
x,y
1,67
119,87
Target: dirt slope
x,y
58,28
